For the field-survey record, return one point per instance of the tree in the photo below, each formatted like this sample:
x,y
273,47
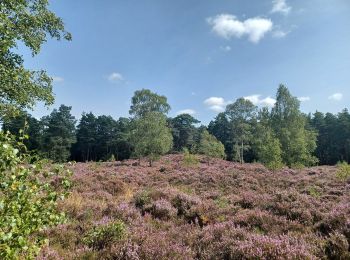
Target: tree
x,y
59,134
28,22
241,114
24,124
151,136
289,125
220,127
210,146
265,144
183,131
86,135
144,101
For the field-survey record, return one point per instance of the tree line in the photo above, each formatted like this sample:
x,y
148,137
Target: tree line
x,y
275,137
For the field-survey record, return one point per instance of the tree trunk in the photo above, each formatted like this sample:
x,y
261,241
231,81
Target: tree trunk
x,y
242,160
150,163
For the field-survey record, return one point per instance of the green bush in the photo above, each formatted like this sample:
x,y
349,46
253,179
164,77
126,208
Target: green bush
x,y
189,159
141,199
29,193
343,172
102,236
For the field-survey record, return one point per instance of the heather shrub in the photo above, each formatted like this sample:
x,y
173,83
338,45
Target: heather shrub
x,y
343,171
141,199
105,234
183,203
162,209
337,247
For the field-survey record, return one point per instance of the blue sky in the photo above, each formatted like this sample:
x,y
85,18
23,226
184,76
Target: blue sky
x,y
201,54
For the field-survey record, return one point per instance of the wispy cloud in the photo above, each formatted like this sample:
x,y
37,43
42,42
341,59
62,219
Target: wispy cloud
x,y
303,99
115,77
186,111
225,48
216,104
57,79
280,6
228,26
257,100
280,33
336,96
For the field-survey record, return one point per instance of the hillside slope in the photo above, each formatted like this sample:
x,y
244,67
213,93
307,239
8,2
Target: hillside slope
x,y
221,211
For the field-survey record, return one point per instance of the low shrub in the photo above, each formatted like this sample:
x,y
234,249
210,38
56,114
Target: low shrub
x,y
189,159
162,209
343,171
105,234
337,247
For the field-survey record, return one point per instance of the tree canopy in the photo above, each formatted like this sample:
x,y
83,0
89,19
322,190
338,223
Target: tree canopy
x,y
28,22
145,101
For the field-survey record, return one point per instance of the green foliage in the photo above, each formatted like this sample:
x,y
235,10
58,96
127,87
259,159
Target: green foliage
x,y
314,191
145,101
59,134
100,138
183,131
28,199
343,171
265,144
242,115
189,159
102,236
141,199
28,22
32,127
221,128
333,140
151,137
297,142
210,146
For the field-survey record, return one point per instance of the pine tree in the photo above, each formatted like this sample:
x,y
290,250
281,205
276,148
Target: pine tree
x,y
59,134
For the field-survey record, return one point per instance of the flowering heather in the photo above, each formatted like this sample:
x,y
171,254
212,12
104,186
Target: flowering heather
x,y
219,211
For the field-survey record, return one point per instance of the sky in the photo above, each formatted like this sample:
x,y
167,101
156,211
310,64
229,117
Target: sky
x,y
201,54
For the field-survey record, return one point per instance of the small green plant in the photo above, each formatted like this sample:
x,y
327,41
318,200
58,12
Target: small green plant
x,y
189,159
297,166
314,191
222,202
141,199
274,166
29,193
112,158
343,172
102,236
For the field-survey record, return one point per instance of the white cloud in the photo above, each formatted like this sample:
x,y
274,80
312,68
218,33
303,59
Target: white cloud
x,y
336,96
115,77
303,99
228,26
57,79
186,111
257,100
280,6
279,34
216,104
